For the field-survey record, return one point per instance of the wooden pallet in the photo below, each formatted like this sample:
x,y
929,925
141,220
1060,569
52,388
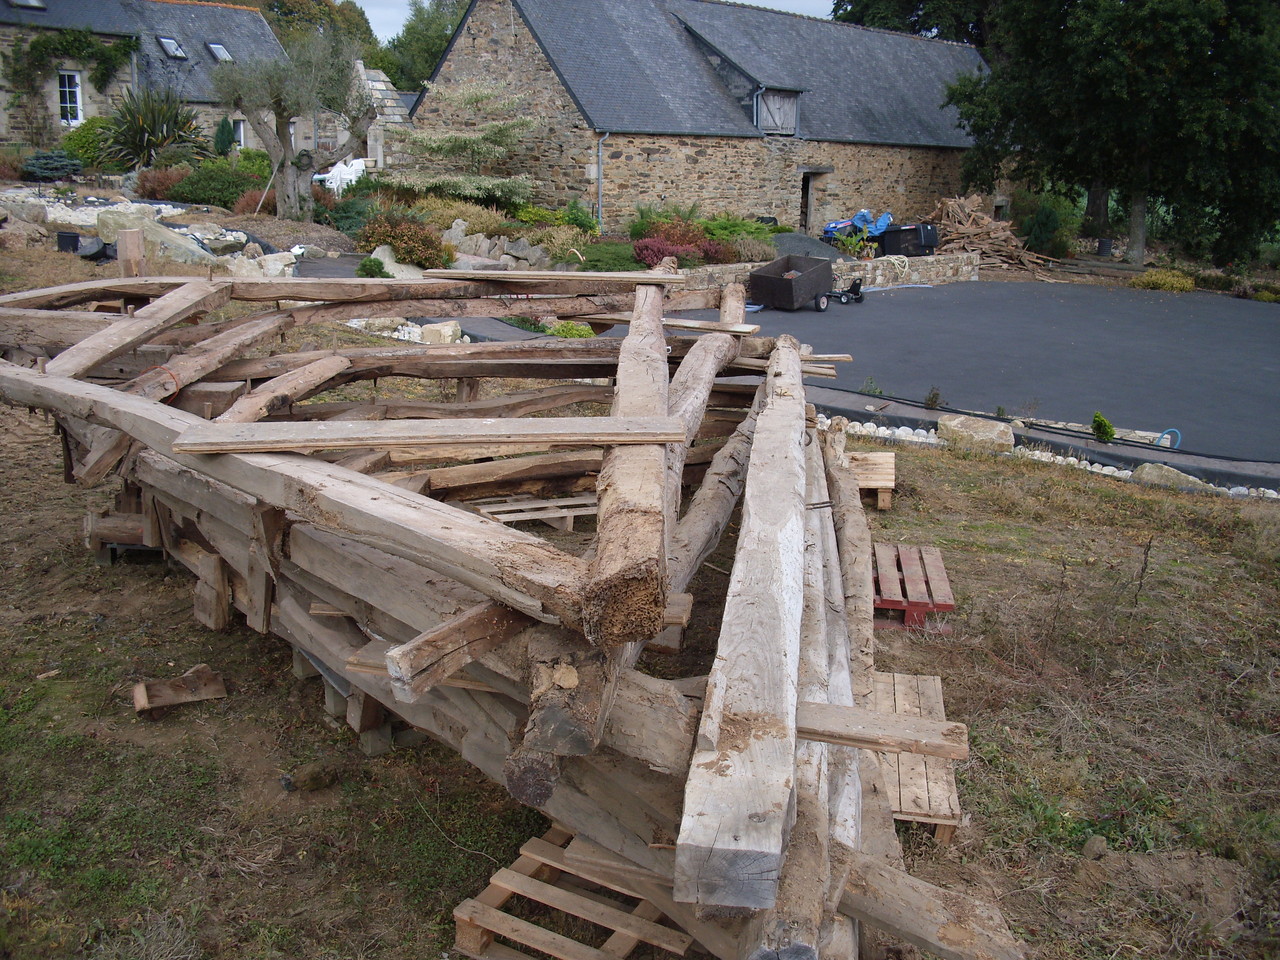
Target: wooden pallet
x,y
877,473
911,579
542,874
558,512
921,789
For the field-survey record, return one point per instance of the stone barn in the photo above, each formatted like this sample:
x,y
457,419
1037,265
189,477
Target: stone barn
x,y
730,107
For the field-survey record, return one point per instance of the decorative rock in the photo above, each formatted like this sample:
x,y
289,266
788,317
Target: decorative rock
x,y
448,331
221,246
520,248
465,261
1238,492
905,433
455,233
277,264
1161,475
473,245
205,231
1109,471
30,212
111,222
20,234
313,253
992,436
401,271
252,251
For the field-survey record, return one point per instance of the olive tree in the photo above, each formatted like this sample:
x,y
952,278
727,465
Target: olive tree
x,y
319,76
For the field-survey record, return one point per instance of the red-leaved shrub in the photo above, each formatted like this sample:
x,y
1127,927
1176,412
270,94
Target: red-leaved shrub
x,y
248,203
683,233
652,250
714,251
155,183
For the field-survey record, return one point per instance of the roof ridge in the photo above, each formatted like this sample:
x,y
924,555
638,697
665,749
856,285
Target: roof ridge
x,y
209,3
839,23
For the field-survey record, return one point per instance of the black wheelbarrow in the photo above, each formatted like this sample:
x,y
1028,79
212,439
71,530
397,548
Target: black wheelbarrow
x,y
790,282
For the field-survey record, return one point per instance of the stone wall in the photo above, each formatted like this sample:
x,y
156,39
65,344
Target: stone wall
x,y
881,272
762,176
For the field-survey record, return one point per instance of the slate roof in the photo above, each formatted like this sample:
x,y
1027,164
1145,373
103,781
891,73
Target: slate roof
x,y
634,66
241,30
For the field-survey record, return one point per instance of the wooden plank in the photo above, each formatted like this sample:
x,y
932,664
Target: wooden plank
x,y
50,328
620,944
445,308
195,297
939,584
888,583
88,290
517,276
755,364
881,732
940,778
198,683
522,931
915,586
597,913
912,775
336,435
885,702
943,922
518,404
732,834
681,323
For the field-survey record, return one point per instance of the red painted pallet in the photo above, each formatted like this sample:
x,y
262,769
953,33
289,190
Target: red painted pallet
x,y
911,579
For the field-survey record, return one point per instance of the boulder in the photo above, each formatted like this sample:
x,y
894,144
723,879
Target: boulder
x,y
465,261
205,231
252,250
448,331
276,264
473,245
975,433
31,212
400,271
227,243
313,252
519,248
455,233
111,222
539,259
20,234
1161,475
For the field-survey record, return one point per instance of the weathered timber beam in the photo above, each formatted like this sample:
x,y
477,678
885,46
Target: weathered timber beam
x,y
855,559
517,404
511,306
480,552
280,393
226,437
55,329
738,794
431,657
881,732
632,277
70,294
196,297
945,923
626,588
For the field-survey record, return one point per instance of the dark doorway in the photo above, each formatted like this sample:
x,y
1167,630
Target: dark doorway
x,y
806,200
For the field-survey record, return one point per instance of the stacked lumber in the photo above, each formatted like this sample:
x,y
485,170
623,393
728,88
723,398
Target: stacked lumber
x,y
746,805
964,228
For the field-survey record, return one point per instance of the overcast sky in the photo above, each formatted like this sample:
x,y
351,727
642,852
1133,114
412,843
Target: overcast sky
x,y
387,16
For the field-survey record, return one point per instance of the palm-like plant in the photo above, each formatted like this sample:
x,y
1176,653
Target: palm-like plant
x,y
146,122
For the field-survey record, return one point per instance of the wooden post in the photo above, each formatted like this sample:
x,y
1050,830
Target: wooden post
x,y
131,251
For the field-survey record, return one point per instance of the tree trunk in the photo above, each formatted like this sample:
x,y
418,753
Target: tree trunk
x,y
1137,225
1097,209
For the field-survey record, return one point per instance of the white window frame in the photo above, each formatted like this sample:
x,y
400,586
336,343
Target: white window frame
x,y
239,130
172,48
70,98
220,52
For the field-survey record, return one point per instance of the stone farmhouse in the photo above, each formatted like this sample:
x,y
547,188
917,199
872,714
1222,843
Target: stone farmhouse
x,y
179,44
731,107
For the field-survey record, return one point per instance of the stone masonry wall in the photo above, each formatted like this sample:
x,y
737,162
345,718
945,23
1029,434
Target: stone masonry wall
x,y
748,176
881,272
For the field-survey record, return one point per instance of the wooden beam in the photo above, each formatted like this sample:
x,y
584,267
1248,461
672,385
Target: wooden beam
x,y
431,657
196,297
943,922
56,329
278,436
522,570
636,277
517,404
739,791
85,291
881,732
280,393
737,329
626,588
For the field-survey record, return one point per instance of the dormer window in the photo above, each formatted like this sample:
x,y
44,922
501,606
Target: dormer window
x,y
28,4
172,47
220,53
776,112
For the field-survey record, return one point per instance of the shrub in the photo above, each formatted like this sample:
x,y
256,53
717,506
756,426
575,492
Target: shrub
x,y
647,219
215,185
559,240
1049,222
1266,296
1102,428
528,213
158,184
609,256
224,137
653,250
714,251
146,122
1172,280
51,166
752,250
412,240
174,154
571,330
440,212
372,267
248,202
729,228
678,231
348,215
10,166
88,142
576,215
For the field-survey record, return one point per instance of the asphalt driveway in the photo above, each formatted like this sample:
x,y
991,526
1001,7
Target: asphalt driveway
x,y
1206,364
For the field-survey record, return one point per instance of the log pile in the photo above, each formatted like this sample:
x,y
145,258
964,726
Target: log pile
x,y
964,228
746,804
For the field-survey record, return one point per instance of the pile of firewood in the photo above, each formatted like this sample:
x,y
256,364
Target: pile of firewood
x,y
964,228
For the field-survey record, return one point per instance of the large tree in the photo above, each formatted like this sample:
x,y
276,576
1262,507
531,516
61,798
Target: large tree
x,y
960,20
318,76
1171,99
418,47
